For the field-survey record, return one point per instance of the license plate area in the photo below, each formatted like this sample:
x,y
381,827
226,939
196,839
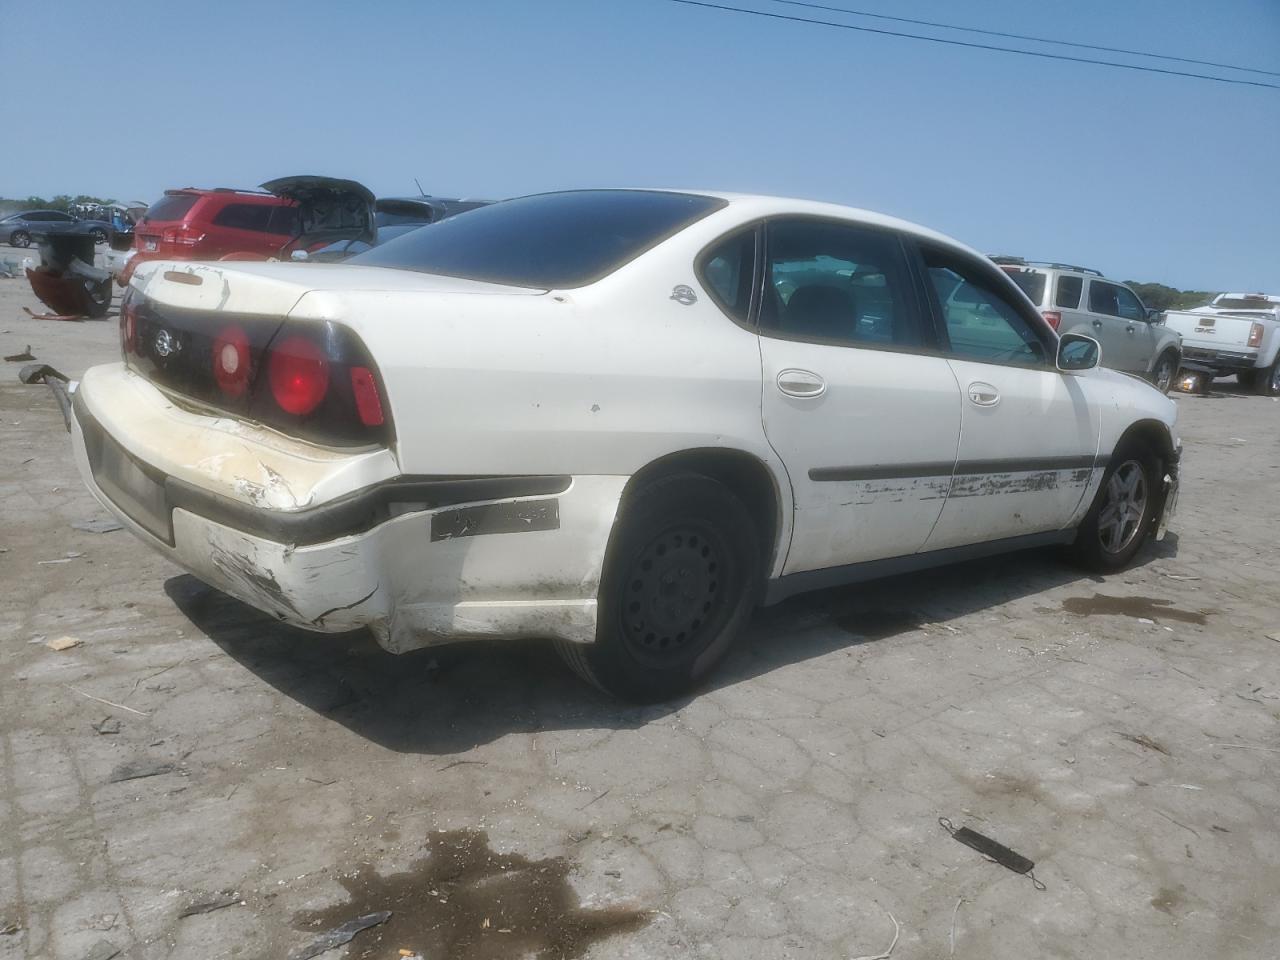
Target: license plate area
x,y
138,490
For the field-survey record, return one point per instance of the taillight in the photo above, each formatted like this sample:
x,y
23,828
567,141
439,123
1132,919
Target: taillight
x,y
365,390
181,236
1255,335
299,374
1053,318
129,325
231,361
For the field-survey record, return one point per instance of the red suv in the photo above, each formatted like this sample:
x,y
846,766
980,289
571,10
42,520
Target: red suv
x,y
193,224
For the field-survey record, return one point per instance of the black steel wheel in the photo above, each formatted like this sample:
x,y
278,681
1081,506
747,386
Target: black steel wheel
x,y
680,582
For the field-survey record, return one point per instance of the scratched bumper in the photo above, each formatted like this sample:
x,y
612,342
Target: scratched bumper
x,y
414,573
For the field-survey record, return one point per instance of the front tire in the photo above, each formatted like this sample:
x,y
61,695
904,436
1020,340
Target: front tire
x,y
19,238
1165,371
679,584
1123,513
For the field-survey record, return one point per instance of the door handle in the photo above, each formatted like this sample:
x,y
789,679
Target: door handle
x,y
1098,324
1130,328
983,394
804,384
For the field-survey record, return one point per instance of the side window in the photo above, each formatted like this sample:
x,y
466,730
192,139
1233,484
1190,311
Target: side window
x,y
728,270
1068,294
1102,298
981,324
1128,305
838,283
244,216
283,220
38,216
62,217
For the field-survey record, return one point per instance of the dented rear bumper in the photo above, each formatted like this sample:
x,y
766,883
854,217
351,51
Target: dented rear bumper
x,y
416,560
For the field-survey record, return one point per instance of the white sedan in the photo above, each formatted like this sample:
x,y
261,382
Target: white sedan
x,y
616,419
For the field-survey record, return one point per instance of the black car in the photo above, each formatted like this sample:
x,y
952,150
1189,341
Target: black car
x,y
18,228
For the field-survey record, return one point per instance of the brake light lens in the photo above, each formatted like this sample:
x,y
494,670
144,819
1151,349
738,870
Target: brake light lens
x,y
299,374
1053,318
181,236
1255,335
364,387
231,361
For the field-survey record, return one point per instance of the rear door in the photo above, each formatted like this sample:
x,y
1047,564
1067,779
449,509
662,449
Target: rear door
x,y
242,228
860,408
1028,437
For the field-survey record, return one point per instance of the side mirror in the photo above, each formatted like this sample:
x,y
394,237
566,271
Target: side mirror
x,y
1076,353
1154,315
298,255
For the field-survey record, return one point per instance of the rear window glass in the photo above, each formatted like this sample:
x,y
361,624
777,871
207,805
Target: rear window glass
x,y
1246,303
1068,295
244,216
551,240
1032,284
173,207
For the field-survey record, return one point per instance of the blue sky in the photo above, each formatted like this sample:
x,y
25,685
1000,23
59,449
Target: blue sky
x,y
1142,176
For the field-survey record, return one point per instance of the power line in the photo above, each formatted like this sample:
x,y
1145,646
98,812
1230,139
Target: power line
x,y
976,46
1023,36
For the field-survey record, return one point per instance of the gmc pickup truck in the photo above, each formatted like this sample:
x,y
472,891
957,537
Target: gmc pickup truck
x,y
1237,333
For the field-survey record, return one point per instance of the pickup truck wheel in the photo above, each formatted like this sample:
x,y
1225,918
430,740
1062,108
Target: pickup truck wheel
x,y
1248,379
1123,513
19,238
1267,382
679,584
1165,371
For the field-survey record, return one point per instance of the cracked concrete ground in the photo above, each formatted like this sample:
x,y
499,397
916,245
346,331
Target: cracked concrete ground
x,y
1128,746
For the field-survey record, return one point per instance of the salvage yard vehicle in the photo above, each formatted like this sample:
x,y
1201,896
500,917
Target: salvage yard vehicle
x,y
614,419
1237,333
18,229
1080,300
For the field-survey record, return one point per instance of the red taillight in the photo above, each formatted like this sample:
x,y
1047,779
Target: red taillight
x,y
181,236
299,374
1053,318
1255,335
129,326
231,361
368,403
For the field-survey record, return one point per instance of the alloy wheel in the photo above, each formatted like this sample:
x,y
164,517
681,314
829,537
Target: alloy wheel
x,y
1164,375
1120,519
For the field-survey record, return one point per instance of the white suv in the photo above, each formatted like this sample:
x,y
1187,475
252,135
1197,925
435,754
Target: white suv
x,y
1079,300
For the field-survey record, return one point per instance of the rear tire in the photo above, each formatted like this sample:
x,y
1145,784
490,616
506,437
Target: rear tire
x,y
1267,382
679,584
1123,513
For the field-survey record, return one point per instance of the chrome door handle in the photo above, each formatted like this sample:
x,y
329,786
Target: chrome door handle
x,y
804,384
983,394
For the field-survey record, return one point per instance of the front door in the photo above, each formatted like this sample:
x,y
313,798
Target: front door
x,y
1028,439
865,422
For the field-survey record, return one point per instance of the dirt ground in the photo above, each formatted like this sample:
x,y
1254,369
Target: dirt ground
x,y
1122,733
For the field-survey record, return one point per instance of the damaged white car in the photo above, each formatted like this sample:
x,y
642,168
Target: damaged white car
x,y
615,419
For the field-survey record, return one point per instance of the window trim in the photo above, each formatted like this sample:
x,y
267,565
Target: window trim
x,y
928,345
1014,297
755,227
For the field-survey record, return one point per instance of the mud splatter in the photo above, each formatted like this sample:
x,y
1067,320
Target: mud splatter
x,y
877,624
466,901
1149,607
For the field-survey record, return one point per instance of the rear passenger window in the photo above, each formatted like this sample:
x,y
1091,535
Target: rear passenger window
x,y
838,283
244,216
1068,294
981,324
728,271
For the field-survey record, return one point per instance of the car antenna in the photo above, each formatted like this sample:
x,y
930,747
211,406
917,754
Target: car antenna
x,y
421,192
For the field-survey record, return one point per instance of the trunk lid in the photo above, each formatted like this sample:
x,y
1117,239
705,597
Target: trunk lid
x,y
329,209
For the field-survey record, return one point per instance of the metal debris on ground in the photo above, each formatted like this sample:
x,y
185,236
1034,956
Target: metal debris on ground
x,y
102,950
19,357
992,849
9,928
107,725
228,898
52,316
340,935
897,929
64,643
96,526
138,770
39,373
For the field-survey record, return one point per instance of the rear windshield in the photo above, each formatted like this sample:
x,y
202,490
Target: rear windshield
x,y
171,207
550,241
1032,284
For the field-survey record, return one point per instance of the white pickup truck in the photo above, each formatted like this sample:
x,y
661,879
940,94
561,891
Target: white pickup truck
x,y
1237,333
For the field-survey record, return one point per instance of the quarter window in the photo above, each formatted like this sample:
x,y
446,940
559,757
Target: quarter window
x,y
838,283
728,271
244,216
981,323
1068,294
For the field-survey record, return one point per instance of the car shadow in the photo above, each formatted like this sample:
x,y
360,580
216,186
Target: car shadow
x,y
446,700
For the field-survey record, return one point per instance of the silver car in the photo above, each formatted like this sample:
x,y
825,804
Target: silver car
x,y
18,228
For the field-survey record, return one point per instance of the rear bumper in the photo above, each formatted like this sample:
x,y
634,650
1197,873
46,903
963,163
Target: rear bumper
x,y
416,560
1225,361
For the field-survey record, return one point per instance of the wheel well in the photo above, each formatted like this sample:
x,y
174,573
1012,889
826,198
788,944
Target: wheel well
x,y
744,474
1153,434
